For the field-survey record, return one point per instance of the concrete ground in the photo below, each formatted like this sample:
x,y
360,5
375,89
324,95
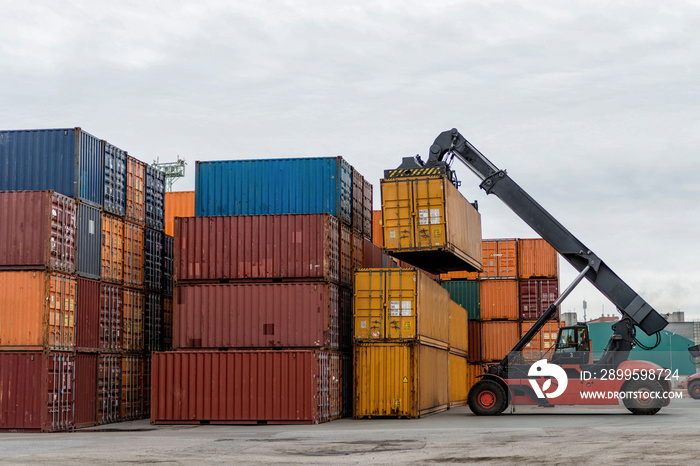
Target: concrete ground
x,y
531,435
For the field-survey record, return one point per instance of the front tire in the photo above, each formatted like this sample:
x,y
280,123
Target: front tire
x,y
487,398
643,397
694,390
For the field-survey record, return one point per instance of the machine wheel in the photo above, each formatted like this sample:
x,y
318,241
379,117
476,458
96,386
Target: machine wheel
x,y
694,390
639,398
487,398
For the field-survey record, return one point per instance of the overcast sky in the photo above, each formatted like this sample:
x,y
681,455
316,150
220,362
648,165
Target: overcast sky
x,y
592,107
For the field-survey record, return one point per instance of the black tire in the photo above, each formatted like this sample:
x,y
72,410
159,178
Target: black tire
x,y
487,398
639,399
694,390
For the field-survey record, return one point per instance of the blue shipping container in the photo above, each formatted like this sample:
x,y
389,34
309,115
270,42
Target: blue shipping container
x,y
88,241
114,200
69,161
153,260
155,198
274,186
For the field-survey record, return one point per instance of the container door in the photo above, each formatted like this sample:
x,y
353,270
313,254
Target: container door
x,y
61,301
401,287
429,203
369,305
397,213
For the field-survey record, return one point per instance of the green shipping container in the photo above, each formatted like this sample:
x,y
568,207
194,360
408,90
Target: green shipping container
x,y
466,294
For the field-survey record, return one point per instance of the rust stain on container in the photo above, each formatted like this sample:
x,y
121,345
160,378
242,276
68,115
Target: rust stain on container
x,y
543,340
132,387
135,190
474,353
244,315
459,329
497,339
132,320
499,299
429,224
537,259
177,204
87,314
408,380
239,387
109,386
112,248
458,380
400,304
257,246
133,254
111,305
37,310
85,389
500,258
536,295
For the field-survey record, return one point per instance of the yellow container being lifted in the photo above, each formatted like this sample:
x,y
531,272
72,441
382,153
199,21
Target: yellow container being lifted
x,y
406,380
429,224
400,304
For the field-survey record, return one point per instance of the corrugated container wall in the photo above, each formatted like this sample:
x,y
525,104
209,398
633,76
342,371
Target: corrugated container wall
x,y
114,198
37,231
500,258
153,260
135,190
377,235
536,295
429,224
459,332
244,315
499,299
497,339
167,332
358,182
466,294
153,322
68,161
282,387
111,306
406,380
257,246
109,387
112,248
177,204
367,213
458,380
473,373
459,275
132,389
544,339
87,315
155,198
85,389
132,320
89,241
537,259
474,352
133,254
274,186
168,264
37,310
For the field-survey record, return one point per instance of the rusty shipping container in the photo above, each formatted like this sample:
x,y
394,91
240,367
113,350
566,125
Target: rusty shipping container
x,y
132,388
458,380
429,224
499,299
177,204
358,253
135,190
498,338
262,315
36,391
37,311
536,295
133,254
132,320
109,388
167,330
474,352
37,229
346,255
85,389
246,387
87,315
459,329
111,307
500,258
543,340
400,304
537,259
257,246
405,380
367,213
112,248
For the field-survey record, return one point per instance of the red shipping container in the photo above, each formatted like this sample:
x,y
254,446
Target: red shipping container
x,y
346,257
109,386
257,247
246,387
372,255
37,230
36,391
247,315
111,304
85,389
133,388
358,251
536,295
87,314
474,351
167,331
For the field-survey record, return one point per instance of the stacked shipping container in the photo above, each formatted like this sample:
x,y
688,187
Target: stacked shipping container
x,y
65,263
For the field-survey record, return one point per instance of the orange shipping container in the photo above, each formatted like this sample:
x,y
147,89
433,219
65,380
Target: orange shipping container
x,y
112,248
499,299
135,190
500,258
537,258
458,380
133,396
459,275
37,311
498,338
377,235
177,204
459,329
544,339
133,254
132,320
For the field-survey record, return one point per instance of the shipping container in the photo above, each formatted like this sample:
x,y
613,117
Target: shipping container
x,y
500,258
459,275
367,213
274,186
466,294
544,339
134,249
405,380
132,320
135,190
36,391
537,259
246,315
474,352
429,224
37,229
377,228
68,161
346,318
147,375
358,253
111,307
85,389
246,387
153,322
358,182
346,258
459,332
346,380
177,204
37,311
400,304
109,388
499,300
168,264
114,197
257,246
371,255
473,373
536,295
112,248
132,389
87,314
498,338
167,331
89,242
153,260
155,198
458,380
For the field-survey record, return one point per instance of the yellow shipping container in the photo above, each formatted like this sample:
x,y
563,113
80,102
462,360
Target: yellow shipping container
x,y
459,329
428,223
177,204
473,373
37,311
407,380
458,380
400,304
